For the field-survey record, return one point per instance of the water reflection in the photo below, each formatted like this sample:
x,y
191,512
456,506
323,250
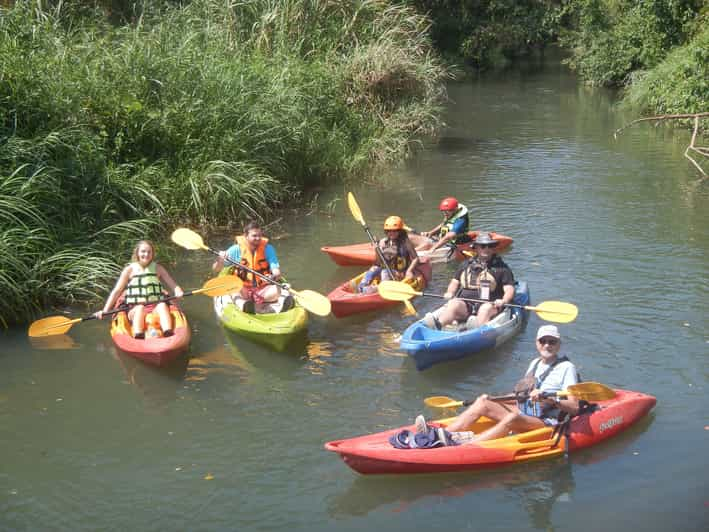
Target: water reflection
x,y
53,343
260,358
159,386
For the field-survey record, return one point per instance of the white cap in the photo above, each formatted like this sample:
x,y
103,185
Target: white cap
x,y
548,330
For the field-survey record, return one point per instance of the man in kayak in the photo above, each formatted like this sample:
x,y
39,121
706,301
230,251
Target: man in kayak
x,y
451,231
400,256
253,251
484,277
547,374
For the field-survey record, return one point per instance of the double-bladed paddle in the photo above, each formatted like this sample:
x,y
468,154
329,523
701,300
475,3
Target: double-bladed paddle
x,y
357,215
308,299
556,311
52,325
586,391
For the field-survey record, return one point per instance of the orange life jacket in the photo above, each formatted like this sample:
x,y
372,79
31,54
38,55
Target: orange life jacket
x,y
256,261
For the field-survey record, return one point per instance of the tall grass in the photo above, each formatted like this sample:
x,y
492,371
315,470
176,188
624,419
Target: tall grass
x,y
117,123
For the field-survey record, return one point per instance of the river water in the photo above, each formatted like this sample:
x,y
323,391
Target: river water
x,y
231,437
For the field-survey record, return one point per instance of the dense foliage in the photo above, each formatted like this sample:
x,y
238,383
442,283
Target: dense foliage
x,y
490,33
119,119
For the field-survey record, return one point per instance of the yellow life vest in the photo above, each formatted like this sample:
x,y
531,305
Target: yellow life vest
x,y
144,287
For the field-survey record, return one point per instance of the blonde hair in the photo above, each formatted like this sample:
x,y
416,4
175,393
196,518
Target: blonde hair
x,y
134,257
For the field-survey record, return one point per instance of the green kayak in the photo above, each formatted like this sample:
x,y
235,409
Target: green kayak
x,y
275,330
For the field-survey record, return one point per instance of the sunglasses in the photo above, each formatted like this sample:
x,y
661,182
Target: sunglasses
x,y
485,245
548,341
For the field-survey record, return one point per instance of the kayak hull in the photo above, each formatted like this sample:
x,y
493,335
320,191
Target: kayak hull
x,y
373,454
274,330
155,351
365,255
346,301
428,346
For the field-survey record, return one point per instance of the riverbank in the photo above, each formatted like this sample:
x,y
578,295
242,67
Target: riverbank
x,y
114,130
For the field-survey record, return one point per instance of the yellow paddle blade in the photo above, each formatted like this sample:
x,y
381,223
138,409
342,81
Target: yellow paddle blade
x,y
312,301
556,311
354,208
441,401
187,238
397,291
410,309
590,391
220,286
51,326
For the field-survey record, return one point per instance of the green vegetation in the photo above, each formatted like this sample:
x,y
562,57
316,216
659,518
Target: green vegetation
x,y
488,34
121,119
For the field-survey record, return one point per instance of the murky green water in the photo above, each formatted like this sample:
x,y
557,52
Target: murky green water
x,y
93,440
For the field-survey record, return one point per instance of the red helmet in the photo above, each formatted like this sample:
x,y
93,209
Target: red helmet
x,y
393,223
448,204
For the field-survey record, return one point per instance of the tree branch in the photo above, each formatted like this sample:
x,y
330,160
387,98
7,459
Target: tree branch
x,y
692,145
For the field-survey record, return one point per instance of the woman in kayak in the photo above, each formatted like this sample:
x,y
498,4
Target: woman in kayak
x,y
452,230
400,256
141,284
253,251
485,277
549,373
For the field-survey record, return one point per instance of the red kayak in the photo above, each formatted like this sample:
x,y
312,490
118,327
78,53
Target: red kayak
x,y
373,454
345,299
156,351
364,254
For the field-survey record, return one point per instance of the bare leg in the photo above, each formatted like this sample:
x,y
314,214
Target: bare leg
x,y
486,312
512,422
136,315
454,310
270,293
482,407
165,319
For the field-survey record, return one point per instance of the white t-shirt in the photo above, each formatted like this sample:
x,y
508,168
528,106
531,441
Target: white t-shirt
x,y
562,376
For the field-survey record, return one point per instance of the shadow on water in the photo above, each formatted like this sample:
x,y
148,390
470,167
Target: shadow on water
x,y
159,386
537,485
261,358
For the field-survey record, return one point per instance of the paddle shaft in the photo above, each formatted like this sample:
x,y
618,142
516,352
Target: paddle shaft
x,y
123,308
512,397
428,294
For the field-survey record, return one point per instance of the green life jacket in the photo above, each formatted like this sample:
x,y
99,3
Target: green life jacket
x,y
447,226
144,287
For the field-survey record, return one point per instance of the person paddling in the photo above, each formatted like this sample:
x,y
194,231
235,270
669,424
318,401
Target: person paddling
x,y
400,256
546,374
484,276
141,285
253,251
452,230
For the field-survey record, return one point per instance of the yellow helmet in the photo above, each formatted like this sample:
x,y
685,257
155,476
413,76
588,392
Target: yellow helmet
x,y
393,223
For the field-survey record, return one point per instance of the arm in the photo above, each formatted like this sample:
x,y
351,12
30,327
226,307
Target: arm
x,y
120,286
273,263
169,281
231,253
507,296
452,288
449,236
432,231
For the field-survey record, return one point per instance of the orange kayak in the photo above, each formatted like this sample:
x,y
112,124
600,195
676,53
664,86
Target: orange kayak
x,y
156,351
346,300
373,454
364,254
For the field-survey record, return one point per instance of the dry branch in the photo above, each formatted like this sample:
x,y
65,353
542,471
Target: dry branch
x,y
692,145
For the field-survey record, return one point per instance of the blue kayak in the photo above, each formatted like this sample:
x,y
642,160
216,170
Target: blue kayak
x,y
429,346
